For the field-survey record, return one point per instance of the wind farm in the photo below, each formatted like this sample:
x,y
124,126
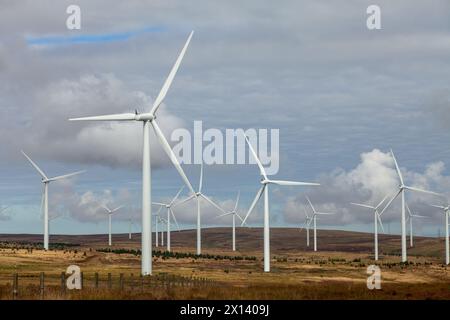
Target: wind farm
x,y
252,159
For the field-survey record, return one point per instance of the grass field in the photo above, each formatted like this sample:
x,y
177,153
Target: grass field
x,y
336,271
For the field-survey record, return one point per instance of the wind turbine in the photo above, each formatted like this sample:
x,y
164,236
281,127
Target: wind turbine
x,y
314,218
234,214
410,218
110,212
446,211
44,200
306,225
265,181
130,224
149,120
401,191
3,209
156,227
168,206
198,195
376,220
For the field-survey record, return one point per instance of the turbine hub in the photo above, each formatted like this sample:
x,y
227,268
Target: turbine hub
x,y
144,117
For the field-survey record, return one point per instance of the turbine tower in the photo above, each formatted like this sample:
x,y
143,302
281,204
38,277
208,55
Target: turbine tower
x,y
401,191
149,120
410,219
314,218
446,211
306,225
265,181
198,195
376,220
156,227
110,213
44,200
168,206
234,214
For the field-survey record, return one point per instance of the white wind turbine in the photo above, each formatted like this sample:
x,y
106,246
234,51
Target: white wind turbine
x,y
401,191
157,219
130,225
314,219
168,206
149,120
410,219
110,213
44,200
198,195
376,220
306,225
265,181
446,211
234,214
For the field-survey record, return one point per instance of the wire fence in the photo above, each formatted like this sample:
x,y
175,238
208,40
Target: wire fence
x,y
54,286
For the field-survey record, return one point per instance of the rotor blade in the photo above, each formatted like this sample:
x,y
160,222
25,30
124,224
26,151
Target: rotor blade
x,y
390,201
362,205
35,166
237,201
306,213
261,168
418,216
114,210
176,197
158,204
66,175
325,213
309,201
174,219
157,212
185,200
379,221
109,117
240,218
170,153
212,202
200,184
293,183
258,195
3,209
168,82
106,208
407,208
397,168
424,191
224,214
440,207
381,202
303,226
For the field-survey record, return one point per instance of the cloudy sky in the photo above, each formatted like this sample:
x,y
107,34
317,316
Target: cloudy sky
x,y
340,94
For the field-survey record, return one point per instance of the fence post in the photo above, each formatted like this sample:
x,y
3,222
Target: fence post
x,y
15,285
81,279
132,281
109,281
96,280
41,286
63,282
121,281
142,283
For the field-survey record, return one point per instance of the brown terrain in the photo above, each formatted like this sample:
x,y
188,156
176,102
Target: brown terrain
x,y
337,271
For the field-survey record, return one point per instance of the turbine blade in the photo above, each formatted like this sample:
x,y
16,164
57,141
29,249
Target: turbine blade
x,y
381,202
258,195
35,166
407,208
106,208
114,210
174,219
362,205
183,201
261,168
109,117
200,184
158,204
379,221
170,153
390,201
419,216
157,212
66,175
224,214
212,202
423,191
440,207
397,168
237,201
168,82
325,213
176,197
293,183
310,204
